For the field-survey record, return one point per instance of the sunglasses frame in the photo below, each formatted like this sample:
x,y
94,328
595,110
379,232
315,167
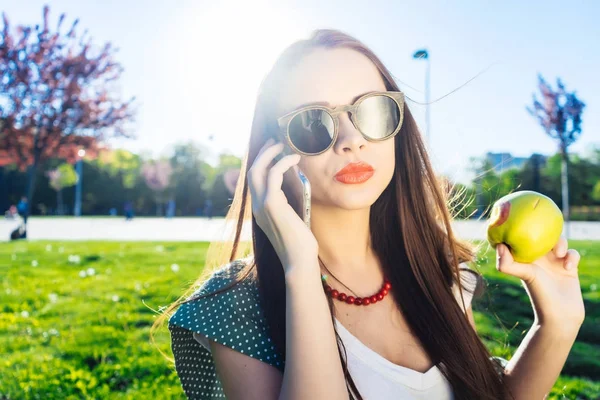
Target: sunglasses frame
x,y
285,120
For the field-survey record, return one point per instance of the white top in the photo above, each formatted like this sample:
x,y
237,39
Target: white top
x,y
378,378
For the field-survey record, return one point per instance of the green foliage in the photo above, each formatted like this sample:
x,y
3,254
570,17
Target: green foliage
x,y
69,332
121,163
64,176
596,192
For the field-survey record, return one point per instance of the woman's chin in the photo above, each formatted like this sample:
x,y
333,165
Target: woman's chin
x,y
357,200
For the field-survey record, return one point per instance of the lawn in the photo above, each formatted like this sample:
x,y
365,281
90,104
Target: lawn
x,y
75,319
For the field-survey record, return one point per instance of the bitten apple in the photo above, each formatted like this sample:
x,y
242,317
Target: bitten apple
x,y
528,222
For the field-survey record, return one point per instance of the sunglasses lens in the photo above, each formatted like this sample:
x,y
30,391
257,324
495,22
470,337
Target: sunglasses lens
x,y
312,131
378,116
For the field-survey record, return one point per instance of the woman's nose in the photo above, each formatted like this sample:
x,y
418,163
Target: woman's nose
x,y
349,138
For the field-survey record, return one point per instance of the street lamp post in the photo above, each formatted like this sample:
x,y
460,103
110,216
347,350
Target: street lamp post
x,y
79,170
424,55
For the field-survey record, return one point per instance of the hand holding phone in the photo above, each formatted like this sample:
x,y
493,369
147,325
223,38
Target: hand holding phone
x,y
290,235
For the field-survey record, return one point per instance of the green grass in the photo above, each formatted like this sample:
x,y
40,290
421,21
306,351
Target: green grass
x,y
67,336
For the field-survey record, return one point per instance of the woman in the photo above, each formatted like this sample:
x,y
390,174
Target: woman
x,y
373,301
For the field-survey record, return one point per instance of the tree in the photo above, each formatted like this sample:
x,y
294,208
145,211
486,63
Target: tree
x,y
559,114
62,177
219,193
123,163
596,192
157,175
55,95
189,176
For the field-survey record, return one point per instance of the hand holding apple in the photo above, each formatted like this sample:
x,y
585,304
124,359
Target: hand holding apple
x,y
528,222
525,229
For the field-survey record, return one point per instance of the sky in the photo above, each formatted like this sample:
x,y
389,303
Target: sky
x,y
187,62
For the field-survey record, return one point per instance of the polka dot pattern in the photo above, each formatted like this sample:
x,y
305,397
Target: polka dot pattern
x,y
232,318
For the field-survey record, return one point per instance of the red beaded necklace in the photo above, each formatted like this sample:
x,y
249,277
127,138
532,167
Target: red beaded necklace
x,y
358,301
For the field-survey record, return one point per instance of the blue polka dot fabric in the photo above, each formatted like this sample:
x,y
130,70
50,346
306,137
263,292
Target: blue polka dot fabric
x,y
232,318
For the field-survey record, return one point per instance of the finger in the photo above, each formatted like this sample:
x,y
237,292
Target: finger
x,y
561,247
507,264
572,259
266,156
275,177
256,174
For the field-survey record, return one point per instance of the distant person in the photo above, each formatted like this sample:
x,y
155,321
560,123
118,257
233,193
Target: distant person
x,y
128,209
22,209
112,212
208,208
170,209
19,233
11,213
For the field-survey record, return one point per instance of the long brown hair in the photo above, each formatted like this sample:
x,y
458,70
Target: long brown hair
x,y
410,227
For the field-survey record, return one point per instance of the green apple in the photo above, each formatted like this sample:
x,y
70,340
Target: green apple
x,y
528,222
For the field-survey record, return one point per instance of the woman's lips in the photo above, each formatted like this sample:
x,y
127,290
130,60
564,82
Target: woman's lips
x,y
355,173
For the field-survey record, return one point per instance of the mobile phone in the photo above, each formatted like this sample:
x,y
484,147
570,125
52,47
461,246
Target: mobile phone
x,y
303,208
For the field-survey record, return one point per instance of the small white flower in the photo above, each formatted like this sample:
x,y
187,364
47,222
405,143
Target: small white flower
x,y
53,297
593,287
82,274
160,248
174,267
8,291
138,286
25,314
115,298
91,271
53,332
74,258
34,263
45,335
61,249
48,247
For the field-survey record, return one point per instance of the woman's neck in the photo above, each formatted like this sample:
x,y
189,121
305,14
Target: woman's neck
x,y
344,241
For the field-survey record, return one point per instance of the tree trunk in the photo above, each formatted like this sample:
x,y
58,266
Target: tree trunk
x,y
565,188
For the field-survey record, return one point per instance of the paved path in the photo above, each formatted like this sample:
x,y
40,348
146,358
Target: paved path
x,y
196,229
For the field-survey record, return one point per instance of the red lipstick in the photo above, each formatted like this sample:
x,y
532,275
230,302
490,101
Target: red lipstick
x,y
354,173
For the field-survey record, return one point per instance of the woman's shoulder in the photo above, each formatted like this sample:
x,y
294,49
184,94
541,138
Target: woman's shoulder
x,y
223,276
226,310
228,290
